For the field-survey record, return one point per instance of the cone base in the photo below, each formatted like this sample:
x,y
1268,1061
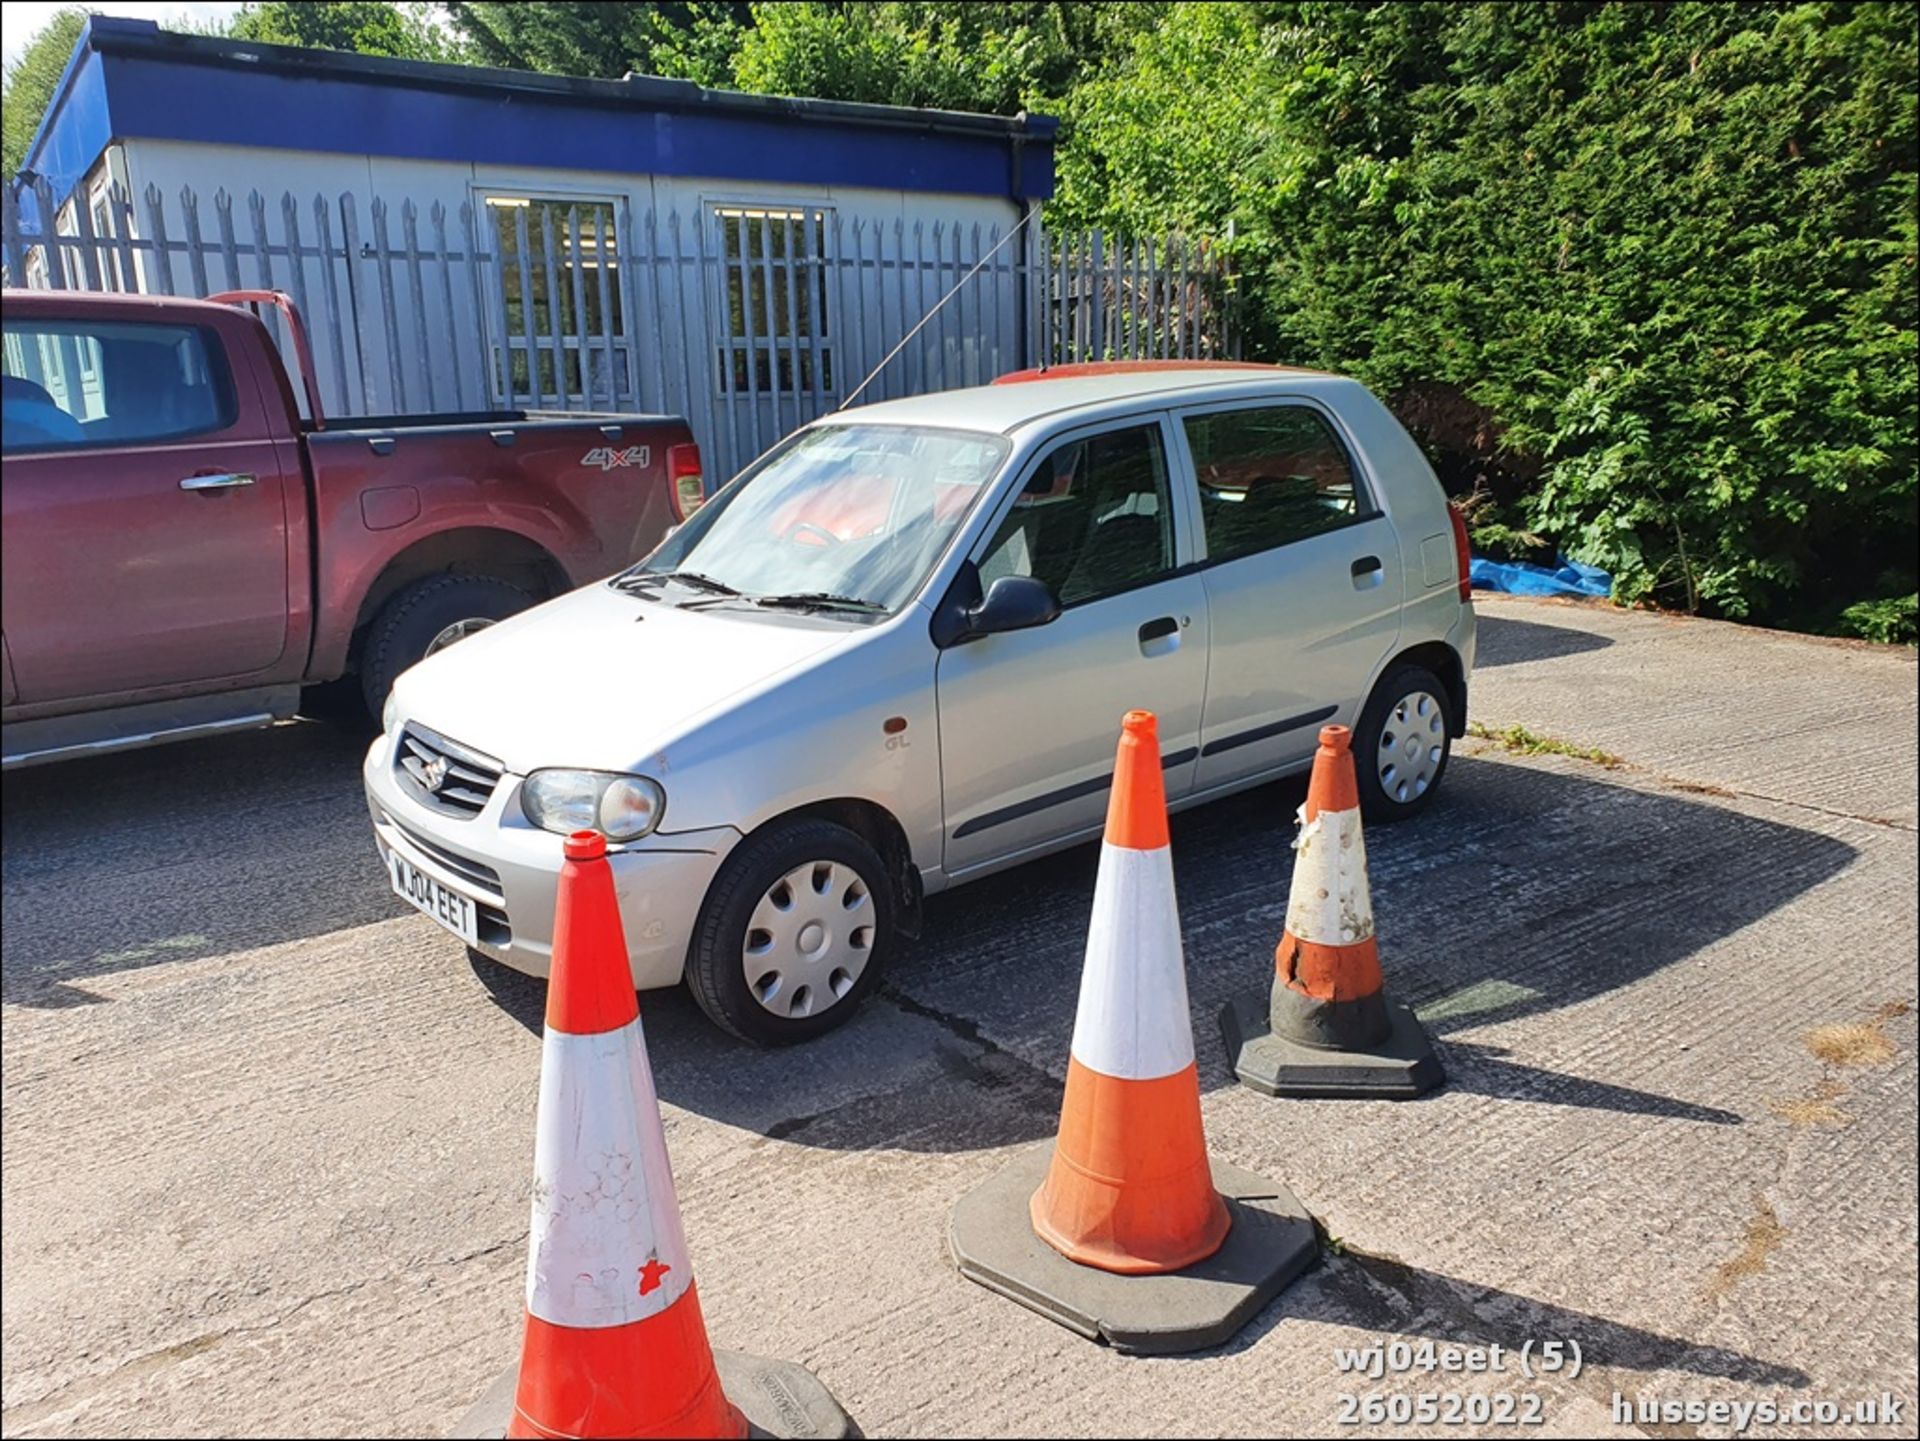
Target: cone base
x,y
1400,1068
1269,1243
778,1398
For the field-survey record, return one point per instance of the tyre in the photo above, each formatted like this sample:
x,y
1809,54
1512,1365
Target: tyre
x,y
793,934
428,616
1401,745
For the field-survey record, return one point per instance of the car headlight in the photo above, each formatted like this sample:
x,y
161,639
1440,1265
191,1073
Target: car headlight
x,y
389,713
620,807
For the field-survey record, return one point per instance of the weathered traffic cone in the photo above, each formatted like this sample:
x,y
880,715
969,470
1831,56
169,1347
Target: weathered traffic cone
x,y
1326,1028
1131,1235
615,1344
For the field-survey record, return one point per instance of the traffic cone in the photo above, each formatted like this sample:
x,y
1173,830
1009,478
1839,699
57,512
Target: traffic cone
x,y
1132,1235
1326,1028
614,1343
1129,1188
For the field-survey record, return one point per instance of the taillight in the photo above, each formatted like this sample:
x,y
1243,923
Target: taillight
x,y
1461,551
685,480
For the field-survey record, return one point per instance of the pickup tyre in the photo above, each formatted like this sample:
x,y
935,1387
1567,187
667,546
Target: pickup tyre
x,y
428,616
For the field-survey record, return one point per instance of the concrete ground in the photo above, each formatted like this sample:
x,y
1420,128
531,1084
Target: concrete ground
x,y
268,1136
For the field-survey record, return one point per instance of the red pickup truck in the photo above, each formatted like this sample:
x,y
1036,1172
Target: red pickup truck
x,y
185,554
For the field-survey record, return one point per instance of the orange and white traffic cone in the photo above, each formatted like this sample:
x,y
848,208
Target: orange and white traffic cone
x,y
1127,1204
615,1344
1326,1027
1130,1189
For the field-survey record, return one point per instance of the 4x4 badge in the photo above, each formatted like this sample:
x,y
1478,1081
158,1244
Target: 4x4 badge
x,y
607,458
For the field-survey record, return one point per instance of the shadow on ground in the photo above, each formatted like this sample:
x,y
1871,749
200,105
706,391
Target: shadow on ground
x,y
1522,890
1392,1300
1504,641
183,851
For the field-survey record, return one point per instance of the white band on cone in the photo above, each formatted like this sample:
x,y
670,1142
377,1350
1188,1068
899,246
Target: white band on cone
x,y
605,1222
1329,903
1133,1022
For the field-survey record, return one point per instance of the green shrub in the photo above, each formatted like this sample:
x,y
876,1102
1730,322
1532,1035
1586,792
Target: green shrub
x,y
1892,622
1669,250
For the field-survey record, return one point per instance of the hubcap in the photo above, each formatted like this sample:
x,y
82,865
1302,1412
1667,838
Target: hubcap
x,y
1413,745
459,630
809,939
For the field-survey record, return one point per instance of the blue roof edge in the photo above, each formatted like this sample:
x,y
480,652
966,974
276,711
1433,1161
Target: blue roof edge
x,y
81,45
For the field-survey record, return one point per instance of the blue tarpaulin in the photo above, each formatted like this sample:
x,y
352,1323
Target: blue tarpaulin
x,y
1568,578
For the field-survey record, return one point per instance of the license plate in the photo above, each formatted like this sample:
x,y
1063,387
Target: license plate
x,y
425,894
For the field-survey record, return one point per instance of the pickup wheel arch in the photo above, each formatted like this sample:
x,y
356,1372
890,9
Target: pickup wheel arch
x,y
493,554
404,630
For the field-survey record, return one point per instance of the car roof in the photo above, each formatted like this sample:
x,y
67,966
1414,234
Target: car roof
x,y
1091,389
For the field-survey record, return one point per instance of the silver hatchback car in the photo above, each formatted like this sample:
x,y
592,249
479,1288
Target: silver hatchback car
x,y
892,656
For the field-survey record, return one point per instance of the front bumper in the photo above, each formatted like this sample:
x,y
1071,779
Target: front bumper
x,y
510,870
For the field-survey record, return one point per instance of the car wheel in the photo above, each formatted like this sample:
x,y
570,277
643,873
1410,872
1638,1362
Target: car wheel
x,y
1401,746
793,934
426,616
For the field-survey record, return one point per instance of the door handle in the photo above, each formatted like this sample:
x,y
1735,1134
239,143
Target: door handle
x,y
1366,565
1154,629
216,482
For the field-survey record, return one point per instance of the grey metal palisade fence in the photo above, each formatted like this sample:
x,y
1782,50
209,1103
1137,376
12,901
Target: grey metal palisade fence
x,y
748,321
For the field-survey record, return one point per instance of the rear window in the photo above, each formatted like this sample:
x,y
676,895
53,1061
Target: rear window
x,y
71,385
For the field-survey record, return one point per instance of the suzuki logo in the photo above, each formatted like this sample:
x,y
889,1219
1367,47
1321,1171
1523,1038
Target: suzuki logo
x,y
434,774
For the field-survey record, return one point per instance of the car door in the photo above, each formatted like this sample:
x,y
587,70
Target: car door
x,y
146,511
1303,580
1029,719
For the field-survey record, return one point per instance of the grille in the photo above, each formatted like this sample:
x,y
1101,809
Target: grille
x,y
442,774
485,878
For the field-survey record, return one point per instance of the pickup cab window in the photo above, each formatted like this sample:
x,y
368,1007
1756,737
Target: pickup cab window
x,y
69,386
1269,476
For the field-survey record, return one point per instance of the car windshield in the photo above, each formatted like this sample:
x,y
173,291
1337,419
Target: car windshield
x,y
848,517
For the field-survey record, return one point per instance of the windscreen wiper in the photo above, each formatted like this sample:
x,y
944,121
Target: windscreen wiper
x,y
692,579
819,600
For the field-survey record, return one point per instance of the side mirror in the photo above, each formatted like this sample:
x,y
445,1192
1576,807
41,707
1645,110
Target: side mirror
x,y
1013,602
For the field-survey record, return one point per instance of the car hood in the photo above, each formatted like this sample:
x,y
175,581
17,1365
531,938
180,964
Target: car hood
x,y
602,680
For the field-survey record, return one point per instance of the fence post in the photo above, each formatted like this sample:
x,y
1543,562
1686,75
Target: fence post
x,y
632,286
389,312
582,337
628,259
90,267
552,270
157,229
336,320
350,242
437,215
416,299
528,325
120,224
605,253
821,289
489,292
196,246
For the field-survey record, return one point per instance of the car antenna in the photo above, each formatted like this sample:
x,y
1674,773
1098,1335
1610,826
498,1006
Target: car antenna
x,y
933,312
